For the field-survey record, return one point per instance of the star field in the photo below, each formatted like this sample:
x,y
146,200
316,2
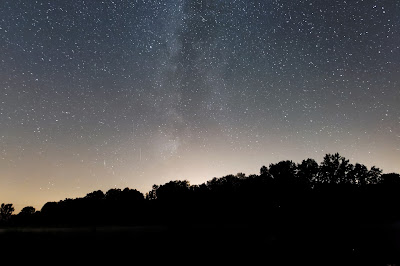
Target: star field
x,y
97,94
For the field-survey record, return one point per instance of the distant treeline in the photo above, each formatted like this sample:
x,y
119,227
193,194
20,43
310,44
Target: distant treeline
x,y
334,191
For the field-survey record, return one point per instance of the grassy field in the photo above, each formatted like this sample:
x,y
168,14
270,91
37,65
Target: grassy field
x,y
369,244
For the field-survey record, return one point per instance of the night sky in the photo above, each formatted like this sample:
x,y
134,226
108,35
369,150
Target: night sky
x,y
101,94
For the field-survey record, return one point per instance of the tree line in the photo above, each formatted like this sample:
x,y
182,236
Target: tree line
x,y
333,191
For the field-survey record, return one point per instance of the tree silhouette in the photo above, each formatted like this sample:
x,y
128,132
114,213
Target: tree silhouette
x,y
374,175
391,179
28,210
173,190
283,172
358,174
6,210
264,170
95,195
308,170
50,211
152,194
113,194
334,169
131,195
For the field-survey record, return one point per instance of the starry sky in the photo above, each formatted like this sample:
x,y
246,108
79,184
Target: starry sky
x,y
116,93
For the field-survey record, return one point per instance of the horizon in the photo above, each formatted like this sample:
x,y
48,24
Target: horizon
x,y
19,208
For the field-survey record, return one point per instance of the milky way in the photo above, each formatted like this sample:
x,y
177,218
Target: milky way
x,y
101,94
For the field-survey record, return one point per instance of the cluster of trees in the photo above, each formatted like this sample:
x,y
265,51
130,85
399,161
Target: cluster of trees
x,y
334,190
96,207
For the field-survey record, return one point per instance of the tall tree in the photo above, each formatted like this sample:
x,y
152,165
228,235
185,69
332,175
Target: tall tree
x,y
334,169
308,170
264,170
6,210
283,172
359,174
374,175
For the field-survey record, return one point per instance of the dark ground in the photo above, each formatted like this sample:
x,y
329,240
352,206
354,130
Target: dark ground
x,y
368,244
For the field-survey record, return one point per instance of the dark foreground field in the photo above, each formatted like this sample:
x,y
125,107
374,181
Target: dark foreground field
x,y
369,244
